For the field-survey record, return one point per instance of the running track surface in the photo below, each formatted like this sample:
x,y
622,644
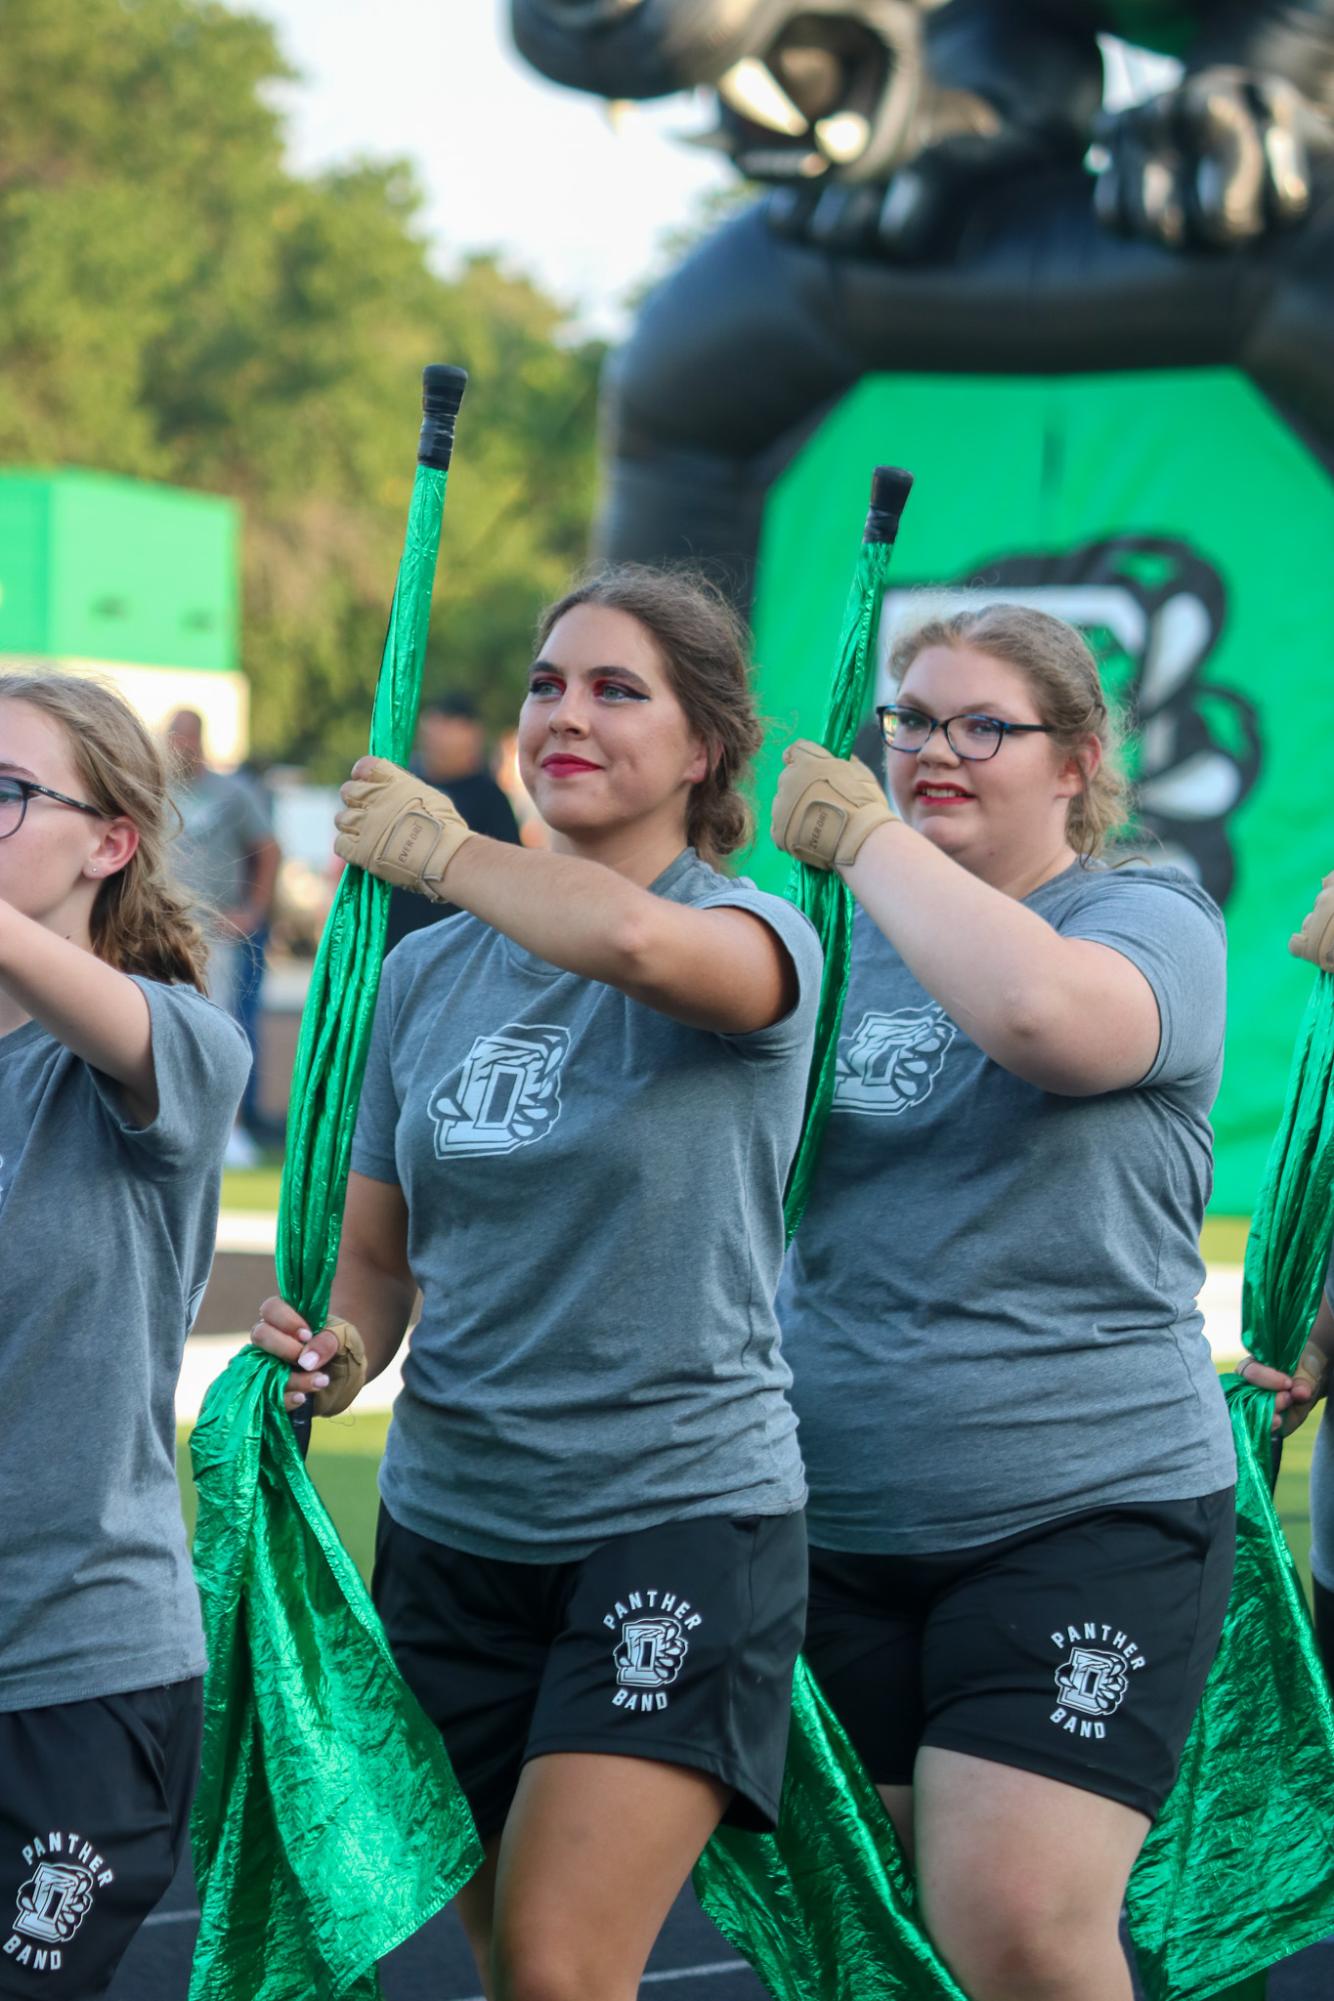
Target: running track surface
x,y
690,1963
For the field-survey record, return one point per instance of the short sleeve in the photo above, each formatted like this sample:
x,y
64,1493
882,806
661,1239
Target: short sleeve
x,y
247,816
201,1060
374,1143
798,935
1172,931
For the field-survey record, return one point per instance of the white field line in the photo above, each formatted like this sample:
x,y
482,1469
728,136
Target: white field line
x,y
253,1230
207,1355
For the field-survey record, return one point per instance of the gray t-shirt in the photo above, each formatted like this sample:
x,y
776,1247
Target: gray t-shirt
x,y
106,1237
595,1222
223,823
989,1309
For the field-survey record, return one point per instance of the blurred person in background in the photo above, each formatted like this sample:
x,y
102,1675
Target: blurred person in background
x,y
451,755
118,1086
533,829
228,859
252,963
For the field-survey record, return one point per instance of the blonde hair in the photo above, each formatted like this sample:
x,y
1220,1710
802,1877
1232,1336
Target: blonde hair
x,y
141,920
1062,673
702,643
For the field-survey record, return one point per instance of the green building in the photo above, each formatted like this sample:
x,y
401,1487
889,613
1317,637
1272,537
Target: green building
x,y
136,582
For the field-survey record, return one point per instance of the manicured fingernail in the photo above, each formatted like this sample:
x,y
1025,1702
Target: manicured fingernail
x,y
309,1360
297,1397
319,1382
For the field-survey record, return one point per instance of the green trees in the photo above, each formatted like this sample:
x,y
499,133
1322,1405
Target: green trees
x,y
176,304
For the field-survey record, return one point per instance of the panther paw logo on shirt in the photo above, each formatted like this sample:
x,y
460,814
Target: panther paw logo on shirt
x,y
55,1899
1093,1680
890,1061
652,1647
506,1093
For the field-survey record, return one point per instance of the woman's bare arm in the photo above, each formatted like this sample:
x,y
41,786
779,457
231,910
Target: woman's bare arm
x,y
97,1012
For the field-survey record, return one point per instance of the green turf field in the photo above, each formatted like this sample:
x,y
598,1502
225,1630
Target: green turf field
x,y
253,1187
347,1451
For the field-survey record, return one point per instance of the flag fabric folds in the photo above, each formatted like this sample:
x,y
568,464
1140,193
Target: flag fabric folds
x,y
1238,1869
328,1825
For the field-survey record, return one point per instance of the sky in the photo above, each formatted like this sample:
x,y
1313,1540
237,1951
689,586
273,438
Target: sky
x,y
508,161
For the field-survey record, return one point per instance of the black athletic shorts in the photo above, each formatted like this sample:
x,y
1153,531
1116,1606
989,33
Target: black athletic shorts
x,y
94,1806
1078,1650
676,1643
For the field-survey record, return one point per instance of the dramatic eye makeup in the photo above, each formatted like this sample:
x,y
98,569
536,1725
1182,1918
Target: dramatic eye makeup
x,y
621,689
619,683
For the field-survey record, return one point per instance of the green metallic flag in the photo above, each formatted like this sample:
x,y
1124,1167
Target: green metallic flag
x,y
328,1824
823,896
1238,1869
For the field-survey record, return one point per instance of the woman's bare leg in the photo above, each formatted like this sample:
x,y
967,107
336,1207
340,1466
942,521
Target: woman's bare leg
x,y
1022,1880
594,1852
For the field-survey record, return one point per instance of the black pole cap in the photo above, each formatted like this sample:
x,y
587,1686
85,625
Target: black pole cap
x,y
890,487
442,393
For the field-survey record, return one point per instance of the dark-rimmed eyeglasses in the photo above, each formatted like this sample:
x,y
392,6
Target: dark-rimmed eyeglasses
x,y
972,737
15,794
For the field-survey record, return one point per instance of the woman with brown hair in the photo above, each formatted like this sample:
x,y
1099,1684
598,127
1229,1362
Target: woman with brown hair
x,y
1019,1457
582,1099
118,1085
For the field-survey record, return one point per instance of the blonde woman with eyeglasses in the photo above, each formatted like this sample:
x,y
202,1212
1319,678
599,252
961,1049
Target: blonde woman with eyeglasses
x,y
118,1085
1019,1459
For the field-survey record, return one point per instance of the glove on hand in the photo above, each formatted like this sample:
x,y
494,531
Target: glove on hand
x,y
1313,1368
345,1368
1315,940
825,806
400,829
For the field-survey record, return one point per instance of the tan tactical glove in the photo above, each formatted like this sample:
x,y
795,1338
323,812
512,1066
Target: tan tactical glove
x,y
1313,1368
1315,940
825,806
399,828
345,1368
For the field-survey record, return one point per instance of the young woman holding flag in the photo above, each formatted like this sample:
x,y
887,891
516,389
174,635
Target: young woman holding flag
x,y
119,1082
582,1099
1019,1456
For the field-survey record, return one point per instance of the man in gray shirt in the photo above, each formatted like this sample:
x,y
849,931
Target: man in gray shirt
x,y
225,855
228,859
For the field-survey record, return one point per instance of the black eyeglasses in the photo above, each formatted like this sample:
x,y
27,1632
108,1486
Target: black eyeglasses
x,y
971,737
15,794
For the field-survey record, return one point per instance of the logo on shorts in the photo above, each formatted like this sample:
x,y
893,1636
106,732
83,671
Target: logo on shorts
x,y
507,1093
1093,1679
55,1899
652,1646
891,1061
